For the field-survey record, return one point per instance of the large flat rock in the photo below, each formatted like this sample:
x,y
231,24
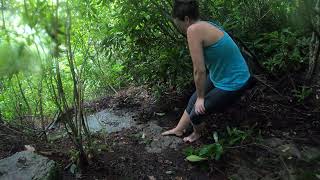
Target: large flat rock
x,y
110,121
27,166
158,143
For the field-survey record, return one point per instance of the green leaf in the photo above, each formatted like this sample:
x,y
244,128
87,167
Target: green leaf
x,y
194,158
218,151
207,150
189,151
234,140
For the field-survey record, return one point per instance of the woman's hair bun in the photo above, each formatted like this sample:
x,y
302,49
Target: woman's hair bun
x,y
183,8
185,1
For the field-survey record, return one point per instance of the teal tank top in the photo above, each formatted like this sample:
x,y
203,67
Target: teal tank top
x,y
227,67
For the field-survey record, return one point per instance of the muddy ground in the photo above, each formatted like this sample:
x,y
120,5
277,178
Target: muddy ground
x,y
287,148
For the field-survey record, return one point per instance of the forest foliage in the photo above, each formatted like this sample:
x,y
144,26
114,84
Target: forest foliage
x,y
121,42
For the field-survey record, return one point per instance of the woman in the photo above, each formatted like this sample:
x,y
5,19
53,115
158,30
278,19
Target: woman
x,y
211,49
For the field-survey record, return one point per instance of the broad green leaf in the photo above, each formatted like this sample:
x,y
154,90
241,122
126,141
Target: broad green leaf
x,y
207,150
194,158
189,151
218,151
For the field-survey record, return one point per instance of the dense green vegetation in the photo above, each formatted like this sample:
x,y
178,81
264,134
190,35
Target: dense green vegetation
x,y
55,55
117,43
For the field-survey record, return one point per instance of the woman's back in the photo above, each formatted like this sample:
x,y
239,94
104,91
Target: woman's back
x,y
228,68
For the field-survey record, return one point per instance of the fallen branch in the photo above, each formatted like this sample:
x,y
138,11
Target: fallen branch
x,y
269,86
7,127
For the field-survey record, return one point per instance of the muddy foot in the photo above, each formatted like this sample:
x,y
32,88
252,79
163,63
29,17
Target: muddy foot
x,y
193,137
173,132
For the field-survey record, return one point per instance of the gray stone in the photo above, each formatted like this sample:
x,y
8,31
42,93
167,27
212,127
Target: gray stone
x,y
27,165
289,150
110,121
273,142
286,149
158,142
73,168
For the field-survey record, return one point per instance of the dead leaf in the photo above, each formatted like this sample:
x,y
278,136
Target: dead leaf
x,y
286,149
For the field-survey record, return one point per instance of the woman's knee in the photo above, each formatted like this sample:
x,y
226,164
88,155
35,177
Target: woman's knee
x,y
195,118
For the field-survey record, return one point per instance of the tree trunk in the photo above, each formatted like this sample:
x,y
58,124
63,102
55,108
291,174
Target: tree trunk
x,y
78,122
41,108
23,95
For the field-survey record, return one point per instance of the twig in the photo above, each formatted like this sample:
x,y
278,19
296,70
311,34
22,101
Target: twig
x,y
242,146
264,83
2,125
265,14
5,135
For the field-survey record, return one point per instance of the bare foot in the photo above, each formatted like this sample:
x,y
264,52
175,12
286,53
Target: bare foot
x,y
173,132
193,137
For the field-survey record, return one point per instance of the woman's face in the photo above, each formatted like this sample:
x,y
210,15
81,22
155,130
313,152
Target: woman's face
x,y
182,25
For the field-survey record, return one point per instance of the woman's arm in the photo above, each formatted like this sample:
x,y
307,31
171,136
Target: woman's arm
x,y
195,43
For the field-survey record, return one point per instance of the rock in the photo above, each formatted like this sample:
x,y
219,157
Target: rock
x,y
73,169
287,149
273,142
159,142
109,121
27,165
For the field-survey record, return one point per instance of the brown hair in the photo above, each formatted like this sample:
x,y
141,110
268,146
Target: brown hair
x,y
183,8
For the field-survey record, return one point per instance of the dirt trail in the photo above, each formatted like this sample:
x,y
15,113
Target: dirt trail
x,y
140,152
131,147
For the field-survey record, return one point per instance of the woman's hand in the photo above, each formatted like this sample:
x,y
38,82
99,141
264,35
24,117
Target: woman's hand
x,y
199,106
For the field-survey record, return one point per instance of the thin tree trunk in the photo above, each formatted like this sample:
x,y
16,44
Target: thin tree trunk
x,y
17,99
313,56
40,92
79,122
2,12
23,95
53,93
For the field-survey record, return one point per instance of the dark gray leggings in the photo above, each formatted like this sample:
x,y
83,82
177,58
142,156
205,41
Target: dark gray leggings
x,y
216,100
